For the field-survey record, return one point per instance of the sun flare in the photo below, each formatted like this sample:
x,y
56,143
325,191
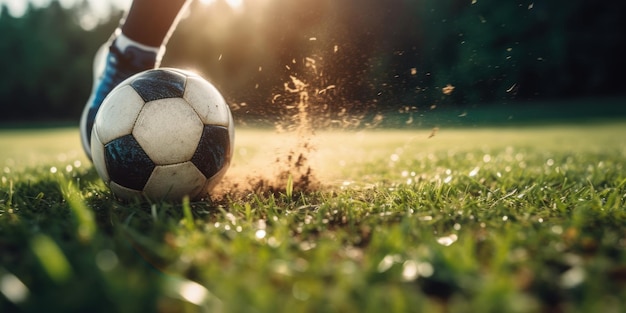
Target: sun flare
x,y
235,4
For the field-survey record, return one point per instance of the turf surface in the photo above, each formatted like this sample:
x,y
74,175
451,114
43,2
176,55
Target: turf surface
x,y
522,219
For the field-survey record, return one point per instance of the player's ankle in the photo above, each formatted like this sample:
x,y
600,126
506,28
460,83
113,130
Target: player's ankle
x,y
150,56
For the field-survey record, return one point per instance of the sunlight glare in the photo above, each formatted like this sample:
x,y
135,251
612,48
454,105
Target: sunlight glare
x,y
234,4
13,288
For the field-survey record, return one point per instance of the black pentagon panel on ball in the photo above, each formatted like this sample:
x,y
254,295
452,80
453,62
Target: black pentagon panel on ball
x,y
126,162
159,84
213,150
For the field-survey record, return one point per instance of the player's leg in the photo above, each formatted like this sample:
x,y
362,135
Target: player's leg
x,y
151,22
137,45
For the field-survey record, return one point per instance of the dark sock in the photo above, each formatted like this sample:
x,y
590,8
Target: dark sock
x,y
150,22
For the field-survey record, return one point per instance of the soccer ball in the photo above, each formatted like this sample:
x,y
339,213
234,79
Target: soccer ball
x,y
162,134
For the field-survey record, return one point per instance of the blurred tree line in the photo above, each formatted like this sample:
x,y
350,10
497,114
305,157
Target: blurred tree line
x,y
357,54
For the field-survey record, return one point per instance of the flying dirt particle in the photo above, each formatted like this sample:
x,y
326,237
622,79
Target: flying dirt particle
x,y
378,118
448,89
512,88
410,120
324,90
413,71
310,63
433,132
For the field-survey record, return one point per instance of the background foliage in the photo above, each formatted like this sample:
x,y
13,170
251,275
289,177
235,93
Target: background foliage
x,y
383,54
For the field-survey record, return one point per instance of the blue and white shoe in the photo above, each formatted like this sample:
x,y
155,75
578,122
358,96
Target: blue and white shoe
x,y
111,66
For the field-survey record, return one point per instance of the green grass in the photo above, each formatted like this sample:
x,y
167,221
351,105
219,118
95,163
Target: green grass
x,y
523,219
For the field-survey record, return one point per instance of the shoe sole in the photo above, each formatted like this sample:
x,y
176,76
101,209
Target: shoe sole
x,y
98,69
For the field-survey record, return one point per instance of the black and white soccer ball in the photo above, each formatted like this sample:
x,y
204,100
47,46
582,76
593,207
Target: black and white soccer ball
x,y
163,134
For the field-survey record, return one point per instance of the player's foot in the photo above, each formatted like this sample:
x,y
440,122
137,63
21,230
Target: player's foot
x,y
111,67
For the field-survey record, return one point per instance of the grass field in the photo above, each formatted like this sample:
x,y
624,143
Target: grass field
x,y
518,219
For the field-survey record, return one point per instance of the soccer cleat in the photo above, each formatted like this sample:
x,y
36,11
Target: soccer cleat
x,y
111,68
